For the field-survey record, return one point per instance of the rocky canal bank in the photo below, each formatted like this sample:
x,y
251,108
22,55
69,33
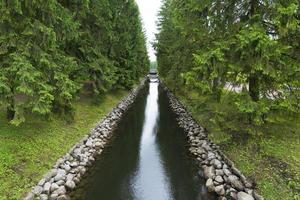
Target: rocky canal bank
x,y
222,177
68,170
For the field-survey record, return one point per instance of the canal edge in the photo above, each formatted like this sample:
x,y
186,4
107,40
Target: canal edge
x,y
70,168
220,173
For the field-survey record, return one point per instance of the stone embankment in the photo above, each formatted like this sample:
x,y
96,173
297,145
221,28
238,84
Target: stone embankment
x,y
69,169
222,177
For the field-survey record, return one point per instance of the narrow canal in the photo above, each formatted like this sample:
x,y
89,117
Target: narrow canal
x,y
147,158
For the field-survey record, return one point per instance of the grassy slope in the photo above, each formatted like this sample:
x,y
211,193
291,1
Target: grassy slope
x,y
271,158
28,151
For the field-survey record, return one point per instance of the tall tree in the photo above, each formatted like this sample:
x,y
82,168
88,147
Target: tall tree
x,y
207,45
35,70
48,49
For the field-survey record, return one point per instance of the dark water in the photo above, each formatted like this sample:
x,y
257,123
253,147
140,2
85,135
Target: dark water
x,y
147,159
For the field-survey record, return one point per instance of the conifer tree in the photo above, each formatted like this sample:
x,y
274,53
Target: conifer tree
x,y
50,48
206,45
35,71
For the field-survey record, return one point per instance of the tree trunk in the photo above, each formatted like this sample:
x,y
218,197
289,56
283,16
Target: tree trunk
x,y
253,79
254,87
10,112
216,90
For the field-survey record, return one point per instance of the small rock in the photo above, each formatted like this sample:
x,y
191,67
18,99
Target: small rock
x,y
82,170
61,171
217,163
244,196
210,185
227,172
209,172
237,184
74,164
59,177
220,190
219,172
98,144
248,184
61,190
53,196
54,187
249,191
70,177
60,182
219,179
30,196
67,167
77,151
47,187
231,178
42,182
89,143
63,197
38,190
70,185
232,195
51,174
211,156
201,151
257,196
43,197
225,166
76,180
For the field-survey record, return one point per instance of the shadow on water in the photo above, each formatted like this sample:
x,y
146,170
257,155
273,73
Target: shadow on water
x,y
147,158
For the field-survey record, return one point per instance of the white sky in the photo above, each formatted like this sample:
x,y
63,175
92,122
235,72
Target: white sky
x,y
149,10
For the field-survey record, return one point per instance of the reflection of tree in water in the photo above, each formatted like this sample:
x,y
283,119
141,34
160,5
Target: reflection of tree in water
x,y
182,171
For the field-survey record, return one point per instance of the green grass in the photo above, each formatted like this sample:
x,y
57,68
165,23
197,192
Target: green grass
x,y
30,150
270,156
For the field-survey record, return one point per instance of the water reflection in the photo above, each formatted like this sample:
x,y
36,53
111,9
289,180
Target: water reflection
x,y
147,159
151,181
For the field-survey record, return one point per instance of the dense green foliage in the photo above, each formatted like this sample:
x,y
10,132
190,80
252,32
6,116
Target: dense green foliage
x,y
49,49
251,44
236,66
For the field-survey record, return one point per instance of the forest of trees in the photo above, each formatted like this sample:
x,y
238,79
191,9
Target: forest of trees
x,y
251,44
50,48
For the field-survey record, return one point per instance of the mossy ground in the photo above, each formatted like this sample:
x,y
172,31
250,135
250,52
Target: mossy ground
x,y
270,154
31,149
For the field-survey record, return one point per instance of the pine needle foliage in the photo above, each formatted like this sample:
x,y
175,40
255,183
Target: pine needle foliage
x,y
254,45
50,48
